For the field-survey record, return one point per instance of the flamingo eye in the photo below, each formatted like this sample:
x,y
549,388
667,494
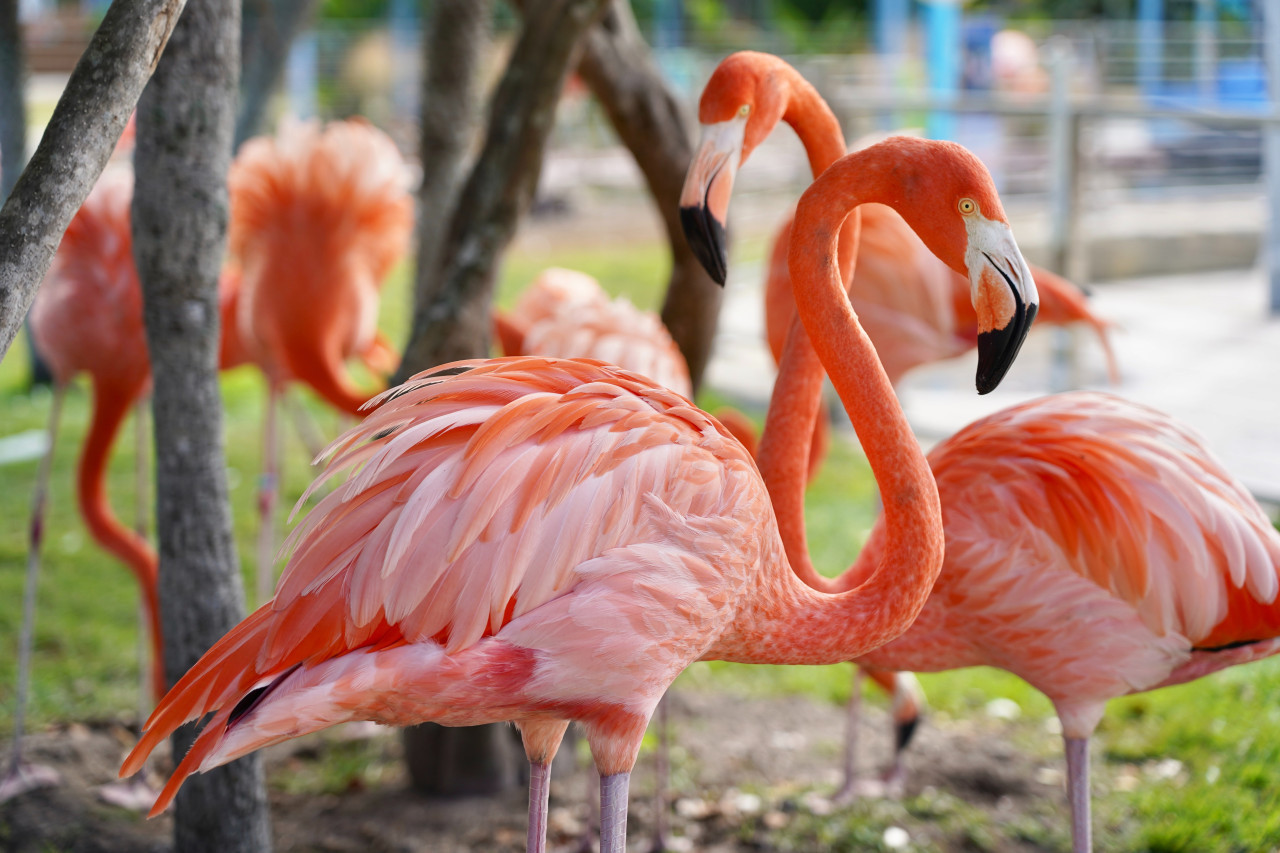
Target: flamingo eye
x,y
968,206
744,111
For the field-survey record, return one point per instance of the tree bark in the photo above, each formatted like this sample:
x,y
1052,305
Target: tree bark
x,y
651,121
455,323
13,98
185,123
81,135
268,29
454,47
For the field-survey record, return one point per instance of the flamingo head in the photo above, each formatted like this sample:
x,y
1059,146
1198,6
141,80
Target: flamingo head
x,y
743,101
948,197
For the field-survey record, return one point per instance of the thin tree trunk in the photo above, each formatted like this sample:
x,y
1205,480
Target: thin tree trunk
x,y
454,47
81,135
455,323
651,121
268,30
185,124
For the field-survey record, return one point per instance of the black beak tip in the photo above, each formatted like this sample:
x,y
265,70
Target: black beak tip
x,y
706,238
998,348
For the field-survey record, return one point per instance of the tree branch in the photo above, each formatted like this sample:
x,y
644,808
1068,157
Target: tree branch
x,y
86,124
652,122
455,323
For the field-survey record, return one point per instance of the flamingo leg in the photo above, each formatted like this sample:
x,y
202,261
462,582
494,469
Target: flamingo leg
x,y
135,793
268,494
539,804
304,425
21,777
848,790
662,774
1078,793
613,812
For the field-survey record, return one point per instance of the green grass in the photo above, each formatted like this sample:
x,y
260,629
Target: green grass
x,y
1224,797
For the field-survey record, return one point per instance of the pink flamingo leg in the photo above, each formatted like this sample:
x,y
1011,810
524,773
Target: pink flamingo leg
x,y
1078,793
268,494
22,777
539,802
613,812
304,425
848,791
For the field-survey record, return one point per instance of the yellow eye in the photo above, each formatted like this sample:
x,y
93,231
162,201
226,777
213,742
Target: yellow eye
x,y
968,206
744,111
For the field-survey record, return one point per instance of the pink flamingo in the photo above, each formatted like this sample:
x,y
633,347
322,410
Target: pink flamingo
x,y
318,218
543,540
87,317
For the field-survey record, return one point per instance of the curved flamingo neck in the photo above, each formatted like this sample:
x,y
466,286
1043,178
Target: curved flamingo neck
x,y
797,623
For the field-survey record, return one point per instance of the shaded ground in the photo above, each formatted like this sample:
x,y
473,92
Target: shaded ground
x,y
750,774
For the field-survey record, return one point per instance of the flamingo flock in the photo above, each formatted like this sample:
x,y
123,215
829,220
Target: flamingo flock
x,y
553,536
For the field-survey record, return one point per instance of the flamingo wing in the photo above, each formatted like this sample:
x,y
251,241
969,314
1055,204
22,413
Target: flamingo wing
x,y
489,501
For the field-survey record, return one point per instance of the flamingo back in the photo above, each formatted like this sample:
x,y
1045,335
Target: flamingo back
x,y
88,313
1129,500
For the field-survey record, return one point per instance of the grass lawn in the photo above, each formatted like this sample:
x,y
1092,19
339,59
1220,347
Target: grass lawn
x,y
1223,794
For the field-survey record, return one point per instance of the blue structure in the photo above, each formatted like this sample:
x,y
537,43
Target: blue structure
x,y
942,41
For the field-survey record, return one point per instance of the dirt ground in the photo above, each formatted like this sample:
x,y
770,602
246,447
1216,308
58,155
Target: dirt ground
x,y
750,774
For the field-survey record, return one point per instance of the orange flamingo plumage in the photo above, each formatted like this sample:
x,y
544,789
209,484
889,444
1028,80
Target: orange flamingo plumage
x,y
319,216
544,540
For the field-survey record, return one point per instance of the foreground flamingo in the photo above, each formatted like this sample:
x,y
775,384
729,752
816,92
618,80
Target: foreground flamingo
x,y
318,218
88,317
542,541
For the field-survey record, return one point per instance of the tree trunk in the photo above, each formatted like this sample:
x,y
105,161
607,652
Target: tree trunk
x,y
81,135
268,30
455,323
180,208
454,47
651,121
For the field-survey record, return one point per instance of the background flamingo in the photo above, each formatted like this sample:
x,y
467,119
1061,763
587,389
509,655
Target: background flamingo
x,y
439,583
87,317
318,218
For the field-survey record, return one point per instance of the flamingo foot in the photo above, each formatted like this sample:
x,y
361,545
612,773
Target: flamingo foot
x,y
23,777
134,794
865,789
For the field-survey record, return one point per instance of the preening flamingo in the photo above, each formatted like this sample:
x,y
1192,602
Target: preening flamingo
x,y
87,317
1095,548
543,540
319,215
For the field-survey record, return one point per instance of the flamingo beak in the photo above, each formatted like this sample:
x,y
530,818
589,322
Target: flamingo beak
x,y
1004,296
704,200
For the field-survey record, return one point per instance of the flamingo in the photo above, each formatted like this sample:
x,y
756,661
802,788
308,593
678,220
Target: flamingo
x,y
1094,547
565,313
87,317
319,215
543,540
915,309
